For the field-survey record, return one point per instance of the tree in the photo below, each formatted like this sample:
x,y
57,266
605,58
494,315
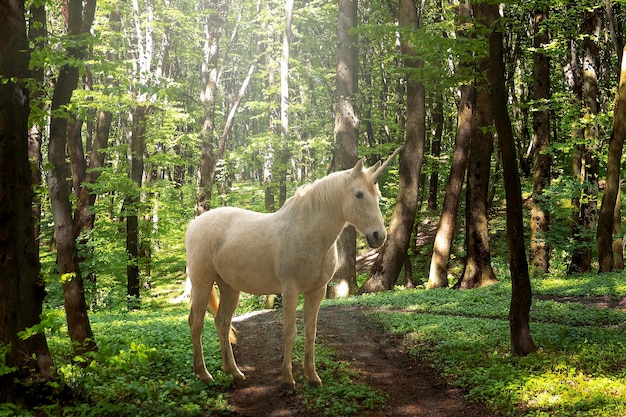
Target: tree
x,y
79,328
608,213
521,296
478,271
585,160
213,24
394,251
21,286
540,216
346,137
438,275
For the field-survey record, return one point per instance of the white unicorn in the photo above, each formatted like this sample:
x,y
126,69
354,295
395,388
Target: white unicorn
x,y
292,251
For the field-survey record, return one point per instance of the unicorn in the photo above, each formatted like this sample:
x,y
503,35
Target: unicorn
x,y
292,251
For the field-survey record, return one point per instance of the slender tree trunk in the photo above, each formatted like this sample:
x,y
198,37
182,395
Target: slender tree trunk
x,y
618,242
213,26
21,287
438,274
131,203
346,137
284,105
521,295
540,217
435,151
78,324
393,253
37,31
607,216
478,271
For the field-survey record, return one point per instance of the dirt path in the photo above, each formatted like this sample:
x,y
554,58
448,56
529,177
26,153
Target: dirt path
x,y
413,387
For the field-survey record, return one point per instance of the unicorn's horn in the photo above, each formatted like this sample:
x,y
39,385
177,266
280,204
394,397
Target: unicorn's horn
x,y
378,169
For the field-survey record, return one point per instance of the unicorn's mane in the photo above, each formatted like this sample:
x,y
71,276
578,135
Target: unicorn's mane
x,y
322,192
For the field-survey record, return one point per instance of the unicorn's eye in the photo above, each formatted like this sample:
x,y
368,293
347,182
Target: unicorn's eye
x,y
359,194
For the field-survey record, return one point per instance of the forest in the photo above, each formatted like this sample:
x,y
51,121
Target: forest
x,y
120,122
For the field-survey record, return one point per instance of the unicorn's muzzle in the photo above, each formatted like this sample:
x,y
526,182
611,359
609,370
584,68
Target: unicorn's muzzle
x,y
376,238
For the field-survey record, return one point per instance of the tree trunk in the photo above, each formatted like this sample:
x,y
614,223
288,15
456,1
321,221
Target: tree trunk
x,y
131,204
284,106
478,271
435,151
21,287
586,160
78,324
346,137
606,219
540,217
438,274
213,26
521,295
37,30
393,253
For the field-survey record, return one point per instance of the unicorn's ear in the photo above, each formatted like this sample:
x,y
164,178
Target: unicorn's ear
x,y
378,169
358,167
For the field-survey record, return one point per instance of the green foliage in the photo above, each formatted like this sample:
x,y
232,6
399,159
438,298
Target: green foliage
x,y
579,369
340,395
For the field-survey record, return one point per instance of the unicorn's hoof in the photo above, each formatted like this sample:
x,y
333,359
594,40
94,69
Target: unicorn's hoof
x,y
239,377
288,386
205,377
315,383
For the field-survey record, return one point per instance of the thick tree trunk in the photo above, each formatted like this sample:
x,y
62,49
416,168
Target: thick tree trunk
x,y
21,287
521,294
539,216
586,162
346,137
478,271
393,253
607,209
438,274
78,324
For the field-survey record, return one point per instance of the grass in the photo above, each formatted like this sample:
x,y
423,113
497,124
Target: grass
x,y
143,367
579,370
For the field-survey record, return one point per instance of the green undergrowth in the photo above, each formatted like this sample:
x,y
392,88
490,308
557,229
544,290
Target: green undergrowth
x,y
340,394
578,370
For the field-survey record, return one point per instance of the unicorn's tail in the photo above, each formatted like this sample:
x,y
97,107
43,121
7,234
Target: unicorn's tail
x,y
214,303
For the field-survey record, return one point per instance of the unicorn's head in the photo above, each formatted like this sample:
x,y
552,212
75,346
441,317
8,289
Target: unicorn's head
x,y
361,207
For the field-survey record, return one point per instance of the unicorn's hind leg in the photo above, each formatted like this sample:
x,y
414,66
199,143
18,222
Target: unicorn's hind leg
x,y
312,301
199,300
229,297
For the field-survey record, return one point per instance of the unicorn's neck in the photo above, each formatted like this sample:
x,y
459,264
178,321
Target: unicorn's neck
x,y
318,207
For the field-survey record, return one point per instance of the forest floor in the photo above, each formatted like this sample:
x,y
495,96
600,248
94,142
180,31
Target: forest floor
x,y
412,387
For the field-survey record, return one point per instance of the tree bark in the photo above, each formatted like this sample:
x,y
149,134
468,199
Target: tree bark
x,y
539,216
521,295
213,26
586,164
478,271
131,204
347,124
438,274
21,286
78,324
604,234
393,253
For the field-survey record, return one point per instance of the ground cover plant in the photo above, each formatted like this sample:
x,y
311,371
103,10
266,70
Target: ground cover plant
x,y
580,368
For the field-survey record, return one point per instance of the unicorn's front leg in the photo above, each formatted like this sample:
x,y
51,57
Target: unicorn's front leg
x,y
290,301
312,301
